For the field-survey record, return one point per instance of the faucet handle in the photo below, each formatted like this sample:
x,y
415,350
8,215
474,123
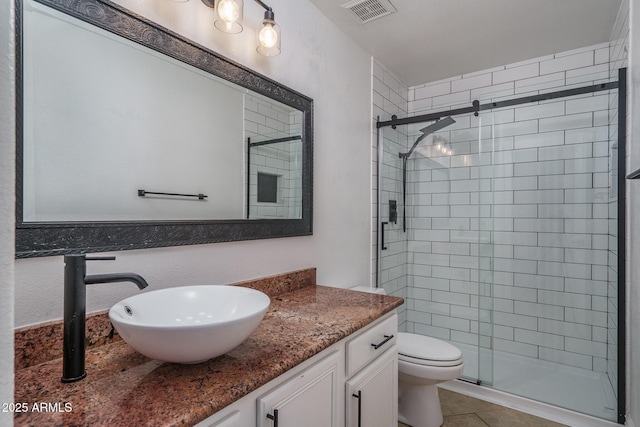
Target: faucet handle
x,y
100,258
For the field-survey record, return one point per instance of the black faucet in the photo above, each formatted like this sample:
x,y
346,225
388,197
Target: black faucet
x,y
75,308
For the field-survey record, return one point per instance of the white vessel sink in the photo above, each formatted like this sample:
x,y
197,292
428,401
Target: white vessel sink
x,y
189,324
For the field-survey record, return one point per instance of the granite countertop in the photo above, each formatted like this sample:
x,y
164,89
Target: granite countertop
x,y
124,388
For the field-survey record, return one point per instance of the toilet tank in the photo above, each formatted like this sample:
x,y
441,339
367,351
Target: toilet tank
x,y
369,289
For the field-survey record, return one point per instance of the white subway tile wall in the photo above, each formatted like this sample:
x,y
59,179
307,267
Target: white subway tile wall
x,y
264,120
510,234
389,97
519,244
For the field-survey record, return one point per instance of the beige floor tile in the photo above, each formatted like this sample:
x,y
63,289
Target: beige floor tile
x,y
456,404
467,420
464,411
511,418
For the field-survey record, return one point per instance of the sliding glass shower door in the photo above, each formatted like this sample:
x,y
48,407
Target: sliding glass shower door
x,y
553,245
437,252
504,242
487,171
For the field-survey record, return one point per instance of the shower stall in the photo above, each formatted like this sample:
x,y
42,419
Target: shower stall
x,y
499,223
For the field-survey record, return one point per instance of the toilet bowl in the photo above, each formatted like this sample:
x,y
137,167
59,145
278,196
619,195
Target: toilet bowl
x,y
423,363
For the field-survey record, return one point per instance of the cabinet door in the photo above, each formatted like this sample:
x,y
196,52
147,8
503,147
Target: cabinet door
x,y
372,395
309,399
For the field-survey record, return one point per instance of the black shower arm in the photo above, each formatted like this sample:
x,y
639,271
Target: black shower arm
x,y
440,124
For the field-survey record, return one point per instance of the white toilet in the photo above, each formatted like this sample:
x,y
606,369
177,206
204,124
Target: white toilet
x,y
423,362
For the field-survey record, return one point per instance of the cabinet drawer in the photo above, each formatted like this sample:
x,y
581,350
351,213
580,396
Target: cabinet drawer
x,y
371,343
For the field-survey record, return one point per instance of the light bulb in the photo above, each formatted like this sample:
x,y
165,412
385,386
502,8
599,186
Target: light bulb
x,y
268,36
228,11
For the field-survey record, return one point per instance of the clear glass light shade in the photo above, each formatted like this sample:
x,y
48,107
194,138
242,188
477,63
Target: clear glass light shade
x,y
228,16
269,38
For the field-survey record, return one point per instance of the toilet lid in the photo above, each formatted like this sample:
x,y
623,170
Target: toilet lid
x,y
427,349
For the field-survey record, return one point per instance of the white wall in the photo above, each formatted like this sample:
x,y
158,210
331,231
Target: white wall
x,y
316,60
7,154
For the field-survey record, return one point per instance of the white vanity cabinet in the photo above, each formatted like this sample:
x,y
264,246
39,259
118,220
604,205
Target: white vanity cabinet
x,y
372,395
320,391
310,399
372,372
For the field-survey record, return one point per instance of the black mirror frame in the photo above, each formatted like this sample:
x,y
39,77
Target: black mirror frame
x,y
36,239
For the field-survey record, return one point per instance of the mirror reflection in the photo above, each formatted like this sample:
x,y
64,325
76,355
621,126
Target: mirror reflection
x,y
274,159
115,131
131,136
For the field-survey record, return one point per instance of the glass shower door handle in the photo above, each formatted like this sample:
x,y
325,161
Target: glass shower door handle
x,y
382,246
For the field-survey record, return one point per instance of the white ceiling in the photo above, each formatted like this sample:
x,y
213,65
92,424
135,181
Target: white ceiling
x,y
428,40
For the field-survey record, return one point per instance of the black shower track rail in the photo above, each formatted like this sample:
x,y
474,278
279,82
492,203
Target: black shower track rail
x,y
476,107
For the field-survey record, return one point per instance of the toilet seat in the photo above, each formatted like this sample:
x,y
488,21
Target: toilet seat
x,y
422,350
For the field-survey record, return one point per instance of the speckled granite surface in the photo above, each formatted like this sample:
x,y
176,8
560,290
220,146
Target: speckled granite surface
x,y
40,343
37,344
124,388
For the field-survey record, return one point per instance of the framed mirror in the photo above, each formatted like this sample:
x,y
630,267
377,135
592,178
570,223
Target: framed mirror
x,y
130,136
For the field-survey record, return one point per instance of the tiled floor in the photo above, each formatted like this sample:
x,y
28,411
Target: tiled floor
x,y
464,411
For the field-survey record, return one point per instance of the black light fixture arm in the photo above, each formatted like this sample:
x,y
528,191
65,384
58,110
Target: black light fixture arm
x,y
268,14
267,8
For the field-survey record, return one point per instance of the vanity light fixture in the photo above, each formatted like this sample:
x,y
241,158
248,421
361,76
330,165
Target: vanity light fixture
x,y
228,15
229,20
269,34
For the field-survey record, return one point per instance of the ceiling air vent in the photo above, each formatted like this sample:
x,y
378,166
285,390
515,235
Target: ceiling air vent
x,y
368,10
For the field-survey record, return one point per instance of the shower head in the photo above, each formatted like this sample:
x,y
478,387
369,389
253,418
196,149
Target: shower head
x,y
428,130
435,127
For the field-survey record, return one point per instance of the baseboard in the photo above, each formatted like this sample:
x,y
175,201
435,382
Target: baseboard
x,y
539,409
